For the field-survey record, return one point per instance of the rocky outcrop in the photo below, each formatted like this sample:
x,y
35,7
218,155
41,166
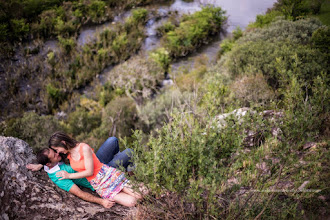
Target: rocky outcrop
x,y
31,195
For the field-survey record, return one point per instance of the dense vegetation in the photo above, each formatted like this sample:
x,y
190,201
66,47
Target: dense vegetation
x,y
245,138
44,18
192,31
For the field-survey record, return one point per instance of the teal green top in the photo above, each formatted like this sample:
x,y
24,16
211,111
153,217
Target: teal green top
x,y
66,184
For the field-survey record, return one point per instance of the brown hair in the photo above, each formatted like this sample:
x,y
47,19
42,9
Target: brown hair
x,y
58,139
42,156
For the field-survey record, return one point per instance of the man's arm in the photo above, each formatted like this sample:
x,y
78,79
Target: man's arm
x,y
34,167
75,190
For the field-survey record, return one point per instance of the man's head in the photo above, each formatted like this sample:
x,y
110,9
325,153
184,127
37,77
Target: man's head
x,y
48,157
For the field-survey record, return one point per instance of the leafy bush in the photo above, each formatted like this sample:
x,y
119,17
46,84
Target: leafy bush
x,y
46,26
237,33
3,32
64,29
193,30
305,115
154,113
119,118
252,89
261,56
228,43
20,28
161,56
298,32
165,28
96,10
265,20
187,157
293,9
32,128
67,44
56,95
321,39
139,15
82,120
85,118
283,42
139,78
106,94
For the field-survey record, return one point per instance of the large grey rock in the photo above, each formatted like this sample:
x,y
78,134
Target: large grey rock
x,y
31,195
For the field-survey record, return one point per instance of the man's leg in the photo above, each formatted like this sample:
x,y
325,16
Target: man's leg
x,y
109,154
122,159
108,150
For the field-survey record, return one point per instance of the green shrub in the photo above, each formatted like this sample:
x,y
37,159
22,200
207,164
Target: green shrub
x,y
20,28
67,44
119,44
252,89
261,56
306,106
32,128
293,9
47,23
139,15
51,58
165,28
81,121
3,32
102,55
119,117
226,45
324,14
161,56
298,32
321,39
56,96
106,94
187,157
96,10
282,42
193,30
237,33
64,29
154,113
139,78
265,20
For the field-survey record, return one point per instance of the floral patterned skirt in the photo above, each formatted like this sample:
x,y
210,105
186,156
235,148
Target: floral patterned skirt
x,y
108,182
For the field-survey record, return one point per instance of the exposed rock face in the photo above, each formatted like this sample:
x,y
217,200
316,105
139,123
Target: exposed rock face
x,y
32,195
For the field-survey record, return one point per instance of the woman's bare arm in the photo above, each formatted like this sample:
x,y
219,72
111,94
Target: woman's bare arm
x,y
89,166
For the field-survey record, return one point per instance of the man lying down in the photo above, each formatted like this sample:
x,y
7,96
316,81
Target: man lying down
x,y
108,153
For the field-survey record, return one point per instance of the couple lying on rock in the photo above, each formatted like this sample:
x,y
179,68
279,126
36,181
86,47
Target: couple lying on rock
x,y
94,171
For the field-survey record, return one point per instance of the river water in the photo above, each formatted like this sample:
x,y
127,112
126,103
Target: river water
x,y
239,12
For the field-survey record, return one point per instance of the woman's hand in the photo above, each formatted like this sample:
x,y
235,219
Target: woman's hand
x,y
63,175
34,167
108,203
